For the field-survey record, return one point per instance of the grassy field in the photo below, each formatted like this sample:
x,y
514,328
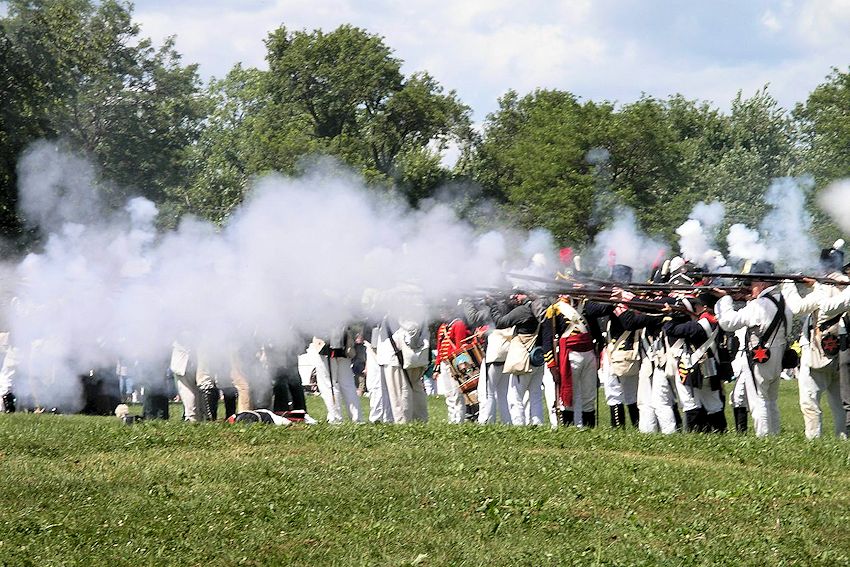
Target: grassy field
x,y
90,491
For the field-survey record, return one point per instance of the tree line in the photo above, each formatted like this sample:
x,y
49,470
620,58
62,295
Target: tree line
x,y
79,72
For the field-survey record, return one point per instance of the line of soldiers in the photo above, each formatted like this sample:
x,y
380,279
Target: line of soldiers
x,y
663,358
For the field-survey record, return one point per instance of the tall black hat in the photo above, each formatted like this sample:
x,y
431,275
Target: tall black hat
x,y
760,267
621,273
832,259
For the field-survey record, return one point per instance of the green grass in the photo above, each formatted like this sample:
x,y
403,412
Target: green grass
x,y
89,491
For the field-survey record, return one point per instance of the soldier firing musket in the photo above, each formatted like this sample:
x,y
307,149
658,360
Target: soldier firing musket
x,y
638,287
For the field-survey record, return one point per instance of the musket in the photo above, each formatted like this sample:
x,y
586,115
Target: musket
x,y
677,287
494,292
632,285
562,278
646,305
603,284
514,275
771,277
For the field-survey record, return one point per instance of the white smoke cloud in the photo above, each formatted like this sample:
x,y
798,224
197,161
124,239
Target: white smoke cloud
x,y
710,215
745,244
297,258
624,243
787,227
834,200
56,188
784,235
697,235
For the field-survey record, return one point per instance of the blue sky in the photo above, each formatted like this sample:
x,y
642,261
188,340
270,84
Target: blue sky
x,y
597,49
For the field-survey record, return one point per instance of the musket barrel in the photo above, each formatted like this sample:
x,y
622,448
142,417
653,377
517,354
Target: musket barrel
x,y
771,277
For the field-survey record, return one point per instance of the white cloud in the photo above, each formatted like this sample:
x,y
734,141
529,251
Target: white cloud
x,y
771,22
605,49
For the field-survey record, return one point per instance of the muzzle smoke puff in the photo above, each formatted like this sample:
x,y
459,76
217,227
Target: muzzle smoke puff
x,y
294,260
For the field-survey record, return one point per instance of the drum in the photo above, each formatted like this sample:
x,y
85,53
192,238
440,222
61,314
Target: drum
x,y
465,365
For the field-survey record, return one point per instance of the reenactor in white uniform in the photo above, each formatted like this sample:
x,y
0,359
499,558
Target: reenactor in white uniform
x,y
823,335
762,327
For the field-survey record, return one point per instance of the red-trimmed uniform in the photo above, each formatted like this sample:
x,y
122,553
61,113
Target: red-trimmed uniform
x,y
450,336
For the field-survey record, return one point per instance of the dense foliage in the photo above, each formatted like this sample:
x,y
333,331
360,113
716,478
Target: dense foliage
x,y
77,71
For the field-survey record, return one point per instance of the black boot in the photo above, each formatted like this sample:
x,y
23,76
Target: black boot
x,y
567,417
209,403
677,417
702,421
229,401
212,402
696,421
717,422
740,419
296,394
634,414
155,406
589,418
618,416
280,391
692,420
8,402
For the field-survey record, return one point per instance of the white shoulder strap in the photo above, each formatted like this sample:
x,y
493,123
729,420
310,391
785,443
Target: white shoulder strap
x,y
703,348
575,322
614,346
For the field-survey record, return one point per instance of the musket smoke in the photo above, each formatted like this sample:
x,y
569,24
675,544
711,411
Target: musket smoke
x,y
745,244
624,243
787,227
833,200
298,257
697,235
784,235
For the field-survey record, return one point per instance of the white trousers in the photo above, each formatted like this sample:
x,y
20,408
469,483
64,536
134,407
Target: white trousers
x,y
694,398
379,397
620,389
493,394
525,398
336,386
686,395
738,395
431,386
813,382
585,384
763,399
551,396
406,394
8,370
187,389
455,404
655,400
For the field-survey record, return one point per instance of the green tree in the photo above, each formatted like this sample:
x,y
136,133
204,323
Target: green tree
x,y
645,165
825,128
360,106
824,131
566,165
532,156
76,70
759,146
